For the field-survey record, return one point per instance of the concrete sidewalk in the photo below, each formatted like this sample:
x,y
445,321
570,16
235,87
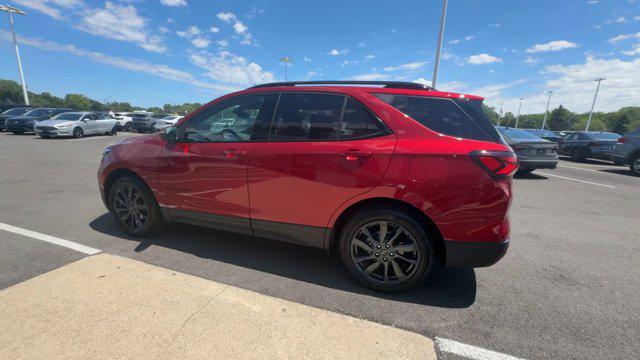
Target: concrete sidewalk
x,y
111,307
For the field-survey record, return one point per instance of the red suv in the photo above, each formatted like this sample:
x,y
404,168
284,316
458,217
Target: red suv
x,y
390,175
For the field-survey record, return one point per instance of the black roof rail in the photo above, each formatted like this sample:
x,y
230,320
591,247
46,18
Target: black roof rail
x,y
386,84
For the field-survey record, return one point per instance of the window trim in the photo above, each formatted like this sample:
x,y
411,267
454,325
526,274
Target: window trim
x,y
385,131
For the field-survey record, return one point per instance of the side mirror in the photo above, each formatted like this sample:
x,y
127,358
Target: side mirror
x,y
170,134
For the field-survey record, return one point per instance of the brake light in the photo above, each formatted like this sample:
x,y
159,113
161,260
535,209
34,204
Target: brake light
x,y
498,164
622,140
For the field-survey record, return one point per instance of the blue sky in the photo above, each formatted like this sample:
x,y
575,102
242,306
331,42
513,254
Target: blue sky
x,y
152,52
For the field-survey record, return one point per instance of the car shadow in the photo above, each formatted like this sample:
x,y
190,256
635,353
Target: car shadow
x,y
444,287
529,176
589,161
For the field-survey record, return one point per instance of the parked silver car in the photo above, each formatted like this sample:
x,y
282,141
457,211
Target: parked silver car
x,y
627,151
170,120
76,124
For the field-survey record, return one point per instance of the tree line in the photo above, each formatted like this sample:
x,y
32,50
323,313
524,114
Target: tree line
x,y
621,121
11,93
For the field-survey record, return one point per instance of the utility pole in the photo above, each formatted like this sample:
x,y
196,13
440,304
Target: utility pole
x,y
286,60
599,80
518,116
12,10
544,121
500,114
436,64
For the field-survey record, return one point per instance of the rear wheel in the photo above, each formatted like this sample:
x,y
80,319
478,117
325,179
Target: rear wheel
x,y
576,155
134,207
78,133
127,126
18,132
634,165
386,249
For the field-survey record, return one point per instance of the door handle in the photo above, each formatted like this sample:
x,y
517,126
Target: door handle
x,y
354,154
233,153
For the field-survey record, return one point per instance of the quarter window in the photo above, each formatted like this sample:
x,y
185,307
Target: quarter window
x,y
231,121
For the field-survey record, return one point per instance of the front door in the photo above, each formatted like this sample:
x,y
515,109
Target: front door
x,y
322,150
203,176
90,125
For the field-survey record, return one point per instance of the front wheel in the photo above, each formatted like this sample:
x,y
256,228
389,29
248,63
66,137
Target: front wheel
x,y
634,165
134,207
78,133
386,249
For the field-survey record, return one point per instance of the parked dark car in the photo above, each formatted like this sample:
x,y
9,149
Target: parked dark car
x,y
545,134
16,111
533,152
25,123
144,122
627,151
5,107
580,145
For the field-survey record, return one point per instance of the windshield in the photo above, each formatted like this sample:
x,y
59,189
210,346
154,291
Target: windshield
x,y
16,111
159,116
39,112
603,136
540,132
517,134
68,116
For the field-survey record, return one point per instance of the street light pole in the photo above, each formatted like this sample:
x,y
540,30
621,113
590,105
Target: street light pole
x,y
544,121
500,115
286,60
518,116
594,102
436,65
11,10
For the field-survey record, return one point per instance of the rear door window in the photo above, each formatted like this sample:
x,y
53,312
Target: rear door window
x,y
464,120
307,117
358,122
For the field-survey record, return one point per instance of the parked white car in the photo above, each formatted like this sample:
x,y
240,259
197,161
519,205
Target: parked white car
x,y
166,122
124,120
76,124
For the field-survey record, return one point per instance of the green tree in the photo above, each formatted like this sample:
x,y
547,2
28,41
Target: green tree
x,y
155,109
622,125
508,120
77,102
10,92
491,113
560,119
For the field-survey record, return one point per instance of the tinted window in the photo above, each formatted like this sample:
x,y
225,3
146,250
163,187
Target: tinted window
x,y
604,136
517,134
441,115
39,112
16,111
301,117
358,122
230,121
67,116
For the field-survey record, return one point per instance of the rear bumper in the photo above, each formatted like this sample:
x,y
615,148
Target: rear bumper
x,y
474,253
618,158
142,126
537,164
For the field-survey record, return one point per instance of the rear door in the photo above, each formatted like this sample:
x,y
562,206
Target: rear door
x,y
104,124
319,151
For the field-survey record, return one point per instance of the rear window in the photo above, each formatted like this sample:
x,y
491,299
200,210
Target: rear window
x,y
517,134
16,111
462,118
603,136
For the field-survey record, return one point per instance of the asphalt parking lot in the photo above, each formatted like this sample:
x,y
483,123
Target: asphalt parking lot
x,y
568,288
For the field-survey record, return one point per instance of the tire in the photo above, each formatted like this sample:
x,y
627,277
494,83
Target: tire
x,y
45,136
18,132
127,194
576,155
78,132
524,171
113,131
127,127
634,165
414,267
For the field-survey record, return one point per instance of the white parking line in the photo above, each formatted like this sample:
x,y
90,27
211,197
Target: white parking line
x,y
470,351
579,168
578,180
50,239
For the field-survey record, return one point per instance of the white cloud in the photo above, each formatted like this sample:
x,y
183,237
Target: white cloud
x,y
454,42
370,77
624,37
593,2
336,52
452,86
214,30
163,29
120,22
223,43
43,6
597,27
481,59
189,32
496,25
159,70
239,27
226,16
552,46
409,66
231,69
350,62
636,18
362,44
394,31
174,2
307,59
200,42
370,57
530,61
621,19
633,51
469,37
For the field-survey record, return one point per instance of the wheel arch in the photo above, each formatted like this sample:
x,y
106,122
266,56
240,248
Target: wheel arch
x,y
430,227
117,174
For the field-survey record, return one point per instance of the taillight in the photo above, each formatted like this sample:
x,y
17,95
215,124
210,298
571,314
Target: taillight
x,y
622,140
498,164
